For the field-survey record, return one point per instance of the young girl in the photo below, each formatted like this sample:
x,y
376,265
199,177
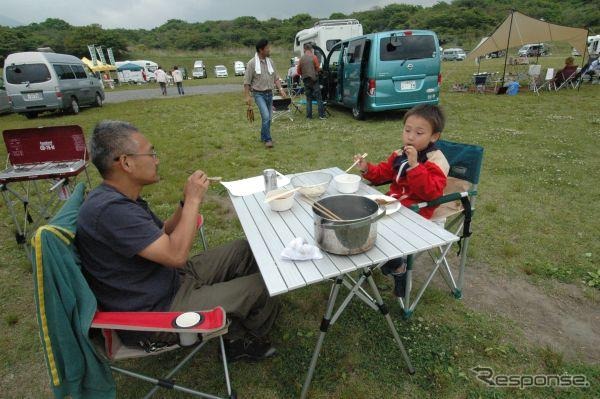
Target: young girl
x,y
417,172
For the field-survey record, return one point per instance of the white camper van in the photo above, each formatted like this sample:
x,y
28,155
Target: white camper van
x,y
326,33
594,46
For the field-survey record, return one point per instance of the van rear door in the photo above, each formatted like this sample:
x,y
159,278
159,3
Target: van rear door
x,y
408,65
355,62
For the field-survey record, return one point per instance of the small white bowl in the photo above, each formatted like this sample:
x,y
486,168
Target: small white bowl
x,y
283,203
347,183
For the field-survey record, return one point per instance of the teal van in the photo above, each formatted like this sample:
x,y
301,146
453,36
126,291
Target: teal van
x,y
383,71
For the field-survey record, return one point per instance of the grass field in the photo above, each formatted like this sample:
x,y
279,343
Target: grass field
x,y
536,221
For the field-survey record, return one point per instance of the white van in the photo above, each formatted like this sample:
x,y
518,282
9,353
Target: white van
x,y
453,54
594,46
199,70
38,81
239,68
326,33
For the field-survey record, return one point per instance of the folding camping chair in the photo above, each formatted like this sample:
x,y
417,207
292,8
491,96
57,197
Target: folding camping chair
x,y
66,310
570,81
41,169
548,81
455,211
294,90
281,107
534,75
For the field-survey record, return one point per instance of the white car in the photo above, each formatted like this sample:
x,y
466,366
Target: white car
x,y
221,71
239,68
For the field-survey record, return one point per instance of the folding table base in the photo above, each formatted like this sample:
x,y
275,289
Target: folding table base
x,y
375,303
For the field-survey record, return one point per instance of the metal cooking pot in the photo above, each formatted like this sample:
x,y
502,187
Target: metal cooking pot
x,y
355,233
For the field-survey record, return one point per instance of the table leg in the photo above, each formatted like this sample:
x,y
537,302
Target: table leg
x,y
386,314
324,326
409,271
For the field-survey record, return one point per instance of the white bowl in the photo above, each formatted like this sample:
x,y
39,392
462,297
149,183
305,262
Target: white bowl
x,y
347,183
283,203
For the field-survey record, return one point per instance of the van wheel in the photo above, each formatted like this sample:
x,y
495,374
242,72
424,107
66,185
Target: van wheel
x,y
358,112
98,102
74,106
31,115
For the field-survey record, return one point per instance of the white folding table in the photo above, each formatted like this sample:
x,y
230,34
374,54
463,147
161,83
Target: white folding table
x,y
401,234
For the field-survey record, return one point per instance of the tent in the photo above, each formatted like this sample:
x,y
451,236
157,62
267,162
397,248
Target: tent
x,y
519,29
130,72
99,67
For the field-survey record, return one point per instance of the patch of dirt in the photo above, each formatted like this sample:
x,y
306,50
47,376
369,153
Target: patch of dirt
x,y
558,316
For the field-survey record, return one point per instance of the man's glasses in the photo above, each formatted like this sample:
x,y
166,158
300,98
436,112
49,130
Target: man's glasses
x,y
152,154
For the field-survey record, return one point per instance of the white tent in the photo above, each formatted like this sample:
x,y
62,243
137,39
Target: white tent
x,y
519,29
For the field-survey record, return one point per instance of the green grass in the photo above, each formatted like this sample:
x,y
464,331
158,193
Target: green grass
x,y
535,220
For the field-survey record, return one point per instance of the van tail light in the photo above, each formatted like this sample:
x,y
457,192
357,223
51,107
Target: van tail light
x,y
371,90
58,92
439,79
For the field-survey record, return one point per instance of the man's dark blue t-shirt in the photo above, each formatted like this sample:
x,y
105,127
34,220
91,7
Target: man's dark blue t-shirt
x,y
111,230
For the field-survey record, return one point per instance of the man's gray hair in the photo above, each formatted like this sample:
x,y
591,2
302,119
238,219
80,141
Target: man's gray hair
x,y
111,139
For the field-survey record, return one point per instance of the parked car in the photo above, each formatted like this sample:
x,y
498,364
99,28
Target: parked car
x,y
454,54
221,71
239,68
496,54
382,71
199,71
40,81
4,103
533,50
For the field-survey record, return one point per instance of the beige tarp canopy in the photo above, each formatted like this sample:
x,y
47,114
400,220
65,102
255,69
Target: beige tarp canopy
x,y
519,29
99,67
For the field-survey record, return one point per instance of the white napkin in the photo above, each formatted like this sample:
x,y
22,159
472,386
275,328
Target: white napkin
x,y
299,249
257,65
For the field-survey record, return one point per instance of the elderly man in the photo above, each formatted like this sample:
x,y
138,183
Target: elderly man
x,y
133,261
260,79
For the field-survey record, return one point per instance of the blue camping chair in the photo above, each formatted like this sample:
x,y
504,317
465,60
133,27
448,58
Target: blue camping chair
x,y
454,212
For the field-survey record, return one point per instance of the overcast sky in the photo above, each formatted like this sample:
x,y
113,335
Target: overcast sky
x,y
152,13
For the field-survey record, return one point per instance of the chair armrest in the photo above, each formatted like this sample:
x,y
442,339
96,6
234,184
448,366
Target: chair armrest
x,y
443,199
213,320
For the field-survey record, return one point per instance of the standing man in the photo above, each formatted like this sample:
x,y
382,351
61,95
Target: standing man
x,y
178,79
161,78
309,69
260,79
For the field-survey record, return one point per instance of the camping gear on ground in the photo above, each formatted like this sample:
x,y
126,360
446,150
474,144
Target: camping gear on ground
x,y
355,232
281,107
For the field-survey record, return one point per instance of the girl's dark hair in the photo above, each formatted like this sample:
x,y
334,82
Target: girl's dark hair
x,y
431,113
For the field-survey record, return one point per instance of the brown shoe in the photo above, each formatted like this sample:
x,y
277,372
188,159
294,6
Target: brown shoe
x,y
269,144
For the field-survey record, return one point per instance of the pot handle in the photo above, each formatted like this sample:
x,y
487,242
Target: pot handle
x,y
354,225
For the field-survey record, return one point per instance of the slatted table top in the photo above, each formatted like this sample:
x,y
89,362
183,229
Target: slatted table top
x,y
268,232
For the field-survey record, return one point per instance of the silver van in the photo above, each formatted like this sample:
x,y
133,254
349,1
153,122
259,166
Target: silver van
x,y
38,81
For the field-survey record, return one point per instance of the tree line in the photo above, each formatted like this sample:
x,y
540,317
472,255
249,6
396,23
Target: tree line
x,y
459,23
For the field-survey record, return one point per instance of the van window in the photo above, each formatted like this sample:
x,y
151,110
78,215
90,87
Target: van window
x,y
64,72
407,48
330,43
79,71
27,73
355,51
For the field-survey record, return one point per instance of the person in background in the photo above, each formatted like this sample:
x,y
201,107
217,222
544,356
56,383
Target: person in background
x,y
309,69
161,78
292,74
563,74
260,80
178,79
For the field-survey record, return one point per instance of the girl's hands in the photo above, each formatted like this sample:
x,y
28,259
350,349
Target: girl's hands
x,y
362,164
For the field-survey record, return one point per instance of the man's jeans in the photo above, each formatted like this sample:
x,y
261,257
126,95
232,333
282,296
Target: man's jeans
x,y
180,88
264,102
313,92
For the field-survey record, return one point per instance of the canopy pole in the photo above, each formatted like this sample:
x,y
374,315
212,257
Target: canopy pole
x,y
507,44
585,51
